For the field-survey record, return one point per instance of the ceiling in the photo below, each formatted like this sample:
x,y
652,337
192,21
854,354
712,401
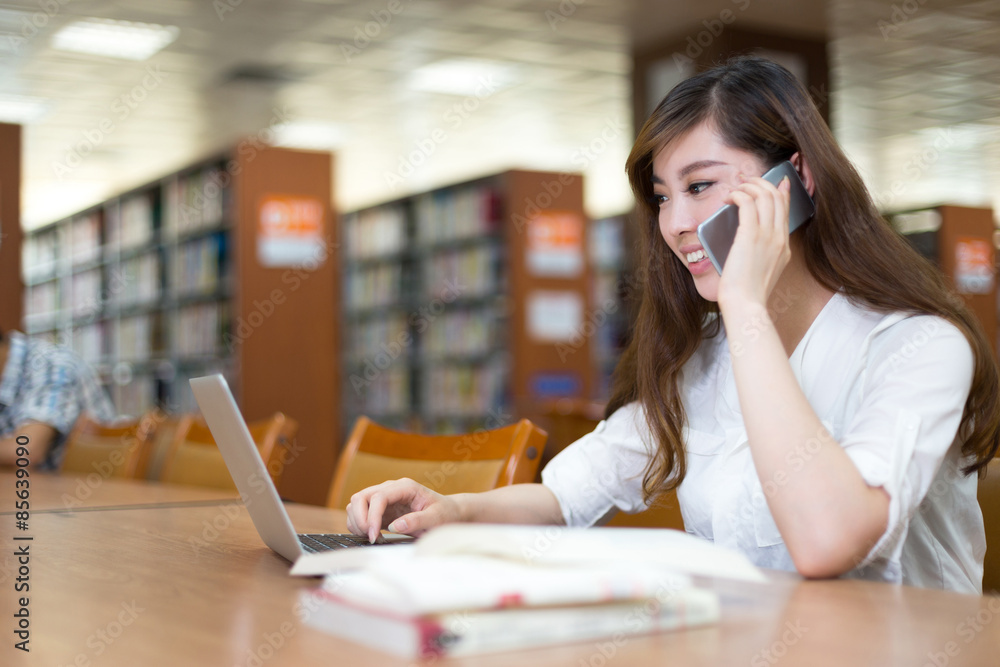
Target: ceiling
x,y
915,104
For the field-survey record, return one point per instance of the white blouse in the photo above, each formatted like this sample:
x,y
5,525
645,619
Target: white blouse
x,y
890,389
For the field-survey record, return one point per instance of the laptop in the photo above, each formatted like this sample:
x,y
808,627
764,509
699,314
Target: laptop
x,y
254,483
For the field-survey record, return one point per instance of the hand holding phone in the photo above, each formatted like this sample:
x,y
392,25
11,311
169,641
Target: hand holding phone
x,y
718,231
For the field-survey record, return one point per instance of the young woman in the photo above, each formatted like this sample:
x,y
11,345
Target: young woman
x,y
820,406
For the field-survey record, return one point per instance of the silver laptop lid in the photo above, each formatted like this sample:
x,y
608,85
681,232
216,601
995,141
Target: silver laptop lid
x,y
245,465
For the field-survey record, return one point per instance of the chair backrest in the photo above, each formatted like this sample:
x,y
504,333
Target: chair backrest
x,y
110,451
461,463
989,503
195,459
572,419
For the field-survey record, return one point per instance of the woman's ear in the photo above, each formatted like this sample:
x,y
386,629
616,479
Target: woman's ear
x,y
805,173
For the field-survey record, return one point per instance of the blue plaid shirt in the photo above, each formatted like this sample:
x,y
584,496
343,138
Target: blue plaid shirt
x,y
48,384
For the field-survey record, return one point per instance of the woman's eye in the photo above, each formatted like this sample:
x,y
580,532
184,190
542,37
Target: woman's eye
x,y
699,187
659,200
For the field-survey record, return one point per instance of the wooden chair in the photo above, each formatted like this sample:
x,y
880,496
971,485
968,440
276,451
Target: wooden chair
x,y
467,462
989,503
110,451
574,418
195,459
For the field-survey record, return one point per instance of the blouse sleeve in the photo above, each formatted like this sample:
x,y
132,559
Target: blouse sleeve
x,y
603,470
917,379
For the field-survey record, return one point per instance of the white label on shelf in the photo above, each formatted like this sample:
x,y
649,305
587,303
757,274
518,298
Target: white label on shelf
x,y
555,244
290,232
554,316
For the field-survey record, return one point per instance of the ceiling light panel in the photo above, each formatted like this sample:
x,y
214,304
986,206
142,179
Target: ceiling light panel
x,y
115,39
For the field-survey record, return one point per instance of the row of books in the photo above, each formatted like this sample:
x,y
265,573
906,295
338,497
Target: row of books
x,y
465,273
372,286
84,296
195,201
85,238
375,232
199,266
370,339
39,255
197,330
374,391
137,397
136,281
465,389
88,342
132,224
41,301
462,332
134,338
457,213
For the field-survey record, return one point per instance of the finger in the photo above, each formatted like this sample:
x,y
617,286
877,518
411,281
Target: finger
x,y
747,213
783,202
357,513
415,523
376,508
763,197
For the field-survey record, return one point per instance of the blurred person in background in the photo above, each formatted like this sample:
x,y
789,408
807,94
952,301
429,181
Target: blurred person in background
x,y
44,388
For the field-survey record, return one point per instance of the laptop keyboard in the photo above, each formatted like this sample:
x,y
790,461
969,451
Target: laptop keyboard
x,y
319,543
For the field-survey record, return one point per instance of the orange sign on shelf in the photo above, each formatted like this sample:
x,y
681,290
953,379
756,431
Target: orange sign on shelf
x,y
555,244
290,231
973,266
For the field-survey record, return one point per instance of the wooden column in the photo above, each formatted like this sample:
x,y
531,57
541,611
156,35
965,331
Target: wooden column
x,y
11,286
966,230
289,360
544,369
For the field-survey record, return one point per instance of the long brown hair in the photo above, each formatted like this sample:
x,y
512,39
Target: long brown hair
x,y
759,107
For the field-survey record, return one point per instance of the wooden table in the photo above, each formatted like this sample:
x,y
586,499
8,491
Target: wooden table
x,y
194,585
54,492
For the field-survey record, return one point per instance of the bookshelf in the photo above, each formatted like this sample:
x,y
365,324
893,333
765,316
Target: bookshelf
x,y
961,240
465,306
610,320
179,278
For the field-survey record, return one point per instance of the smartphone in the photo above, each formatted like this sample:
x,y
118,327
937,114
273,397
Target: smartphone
x,y
718,231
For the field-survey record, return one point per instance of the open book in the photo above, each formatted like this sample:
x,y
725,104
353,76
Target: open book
x,y
667,549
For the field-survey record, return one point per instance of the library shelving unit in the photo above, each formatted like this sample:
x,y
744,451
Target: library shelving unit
x,y
961,240
466,307
226,266
610,318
